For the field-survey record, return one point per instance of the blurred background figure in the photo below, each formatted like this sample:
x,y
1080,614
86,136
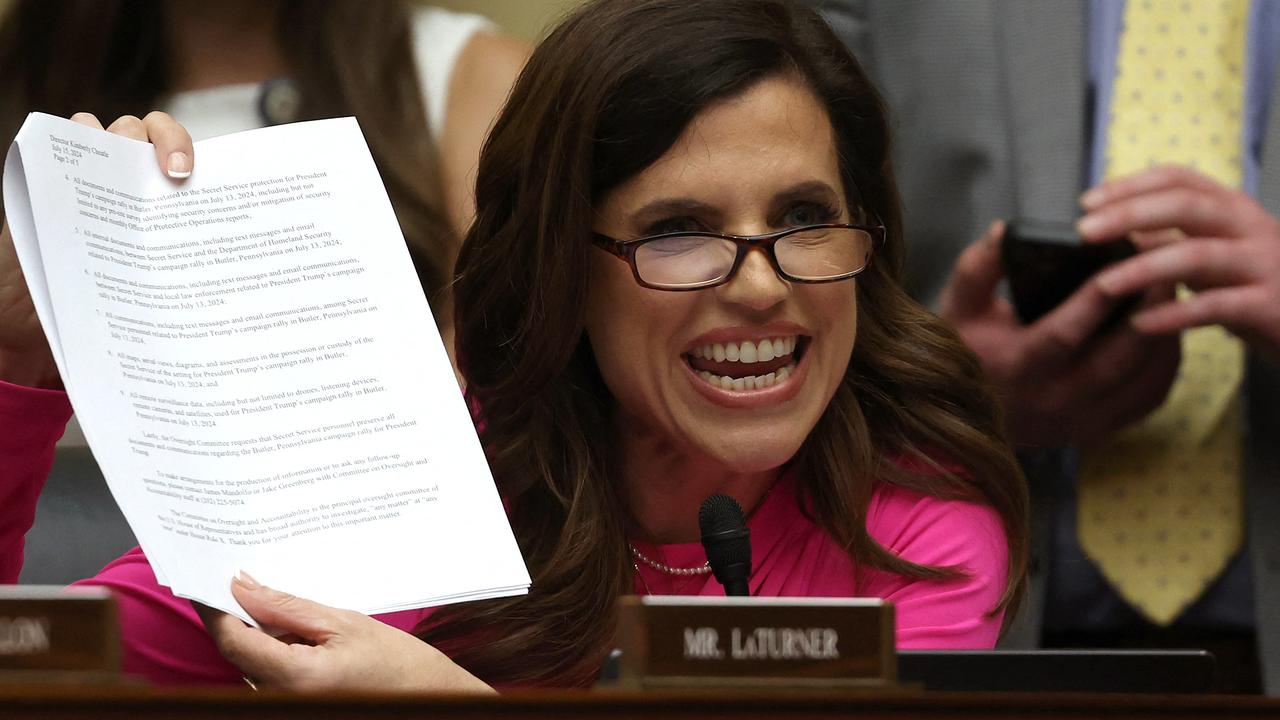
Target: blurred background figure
x,y
1161,108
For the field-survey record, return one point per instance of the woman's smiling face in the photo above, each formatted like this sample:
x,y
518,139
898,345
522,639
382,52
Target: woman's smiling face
x,y
740,373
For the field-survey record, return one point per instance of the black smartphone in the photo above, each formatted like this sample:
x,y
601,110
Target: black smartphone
x,y
1047,261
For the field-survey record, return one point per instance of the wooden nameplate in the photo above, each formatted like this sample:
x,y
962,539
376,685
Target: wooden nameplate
x,y
56,634
756,642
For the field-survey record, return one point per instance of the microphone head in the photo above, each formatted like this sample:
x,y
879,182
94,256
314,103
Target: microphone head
x,y
726,538
720,513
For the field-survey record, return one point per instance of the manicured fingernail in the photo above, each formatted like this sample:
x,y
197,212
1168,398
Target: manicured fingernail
x,y
179,165
246,581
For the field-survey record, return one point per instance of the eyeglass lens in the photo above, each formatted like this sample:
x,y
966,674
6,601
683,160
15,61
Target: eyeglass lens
x,y
695,260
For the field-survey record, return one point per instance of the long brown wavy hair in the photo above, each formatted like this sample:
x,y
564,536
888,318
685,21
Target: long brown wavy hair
x,y
346,57
603,97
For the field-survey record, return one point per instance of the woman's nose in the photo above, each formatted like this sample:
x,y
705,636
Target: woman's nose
x,y
756,285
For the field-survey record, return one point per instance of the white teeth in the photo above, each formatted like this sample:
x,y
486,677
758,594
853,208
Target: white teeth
x,y
746,384
764,351
747,351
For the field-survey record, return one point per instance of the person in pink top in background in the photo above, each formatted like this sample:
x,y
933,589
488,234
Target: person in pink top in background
x,y
682,279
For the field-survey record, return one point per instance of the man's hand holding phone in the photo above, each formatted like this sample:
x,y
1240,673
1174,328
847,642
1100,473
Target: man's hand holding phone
x,y
1218,241
1046,262
1069,377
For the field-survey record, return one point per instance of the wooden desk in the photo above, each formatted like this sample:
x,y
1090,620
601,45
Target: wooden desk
x,y
139,703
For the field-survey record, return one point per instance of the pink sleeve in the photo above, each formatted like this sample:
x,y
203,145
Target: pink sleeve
x,y
939,614
164,640
31,421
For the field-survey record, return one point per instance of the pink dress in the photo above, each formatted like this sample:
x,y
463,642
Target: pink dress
x,y
165,642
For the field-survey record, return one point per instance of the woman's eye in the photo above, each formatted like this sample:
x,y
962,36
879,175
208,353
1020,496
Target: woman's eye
x,y
809,214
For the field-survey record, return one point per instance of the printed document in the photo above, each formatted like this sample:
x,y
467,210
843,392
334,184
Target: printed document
x,y
255,366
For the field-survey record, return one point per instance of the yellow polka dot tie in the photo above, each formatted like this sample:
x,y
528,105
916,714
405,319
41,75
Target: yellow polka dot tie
x,y
1160,503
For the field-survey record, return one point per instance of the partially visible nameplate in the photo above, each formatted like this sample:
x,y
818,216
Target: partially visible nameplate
x,y
56,633
749,641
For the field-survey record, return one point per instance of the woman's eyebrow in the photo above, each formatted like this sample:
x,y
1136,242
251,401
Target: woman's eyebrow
x,y
809,190
664,208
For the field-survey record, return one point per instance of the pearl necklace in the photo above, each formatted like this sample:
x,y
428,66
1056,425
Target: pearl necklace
x,y
702,569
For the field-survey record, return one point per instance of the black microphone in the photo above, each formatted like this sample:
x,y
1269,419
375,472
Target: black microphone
x,y
727,541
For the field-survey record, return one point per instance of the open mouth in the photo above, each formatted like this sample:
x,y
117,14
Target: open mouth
x,y
747,365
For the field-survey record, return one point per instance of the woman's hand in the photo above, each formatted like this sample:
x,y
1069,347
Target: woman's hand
x,y
25,358
328,649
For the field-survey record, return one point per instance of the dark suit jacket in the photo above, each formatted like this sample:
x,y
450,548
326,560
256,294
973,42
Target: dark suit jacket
x,y
988,101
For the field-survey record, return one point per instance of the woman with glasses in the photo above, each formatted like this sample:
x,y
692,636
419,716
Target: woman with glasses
x,y
683,279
